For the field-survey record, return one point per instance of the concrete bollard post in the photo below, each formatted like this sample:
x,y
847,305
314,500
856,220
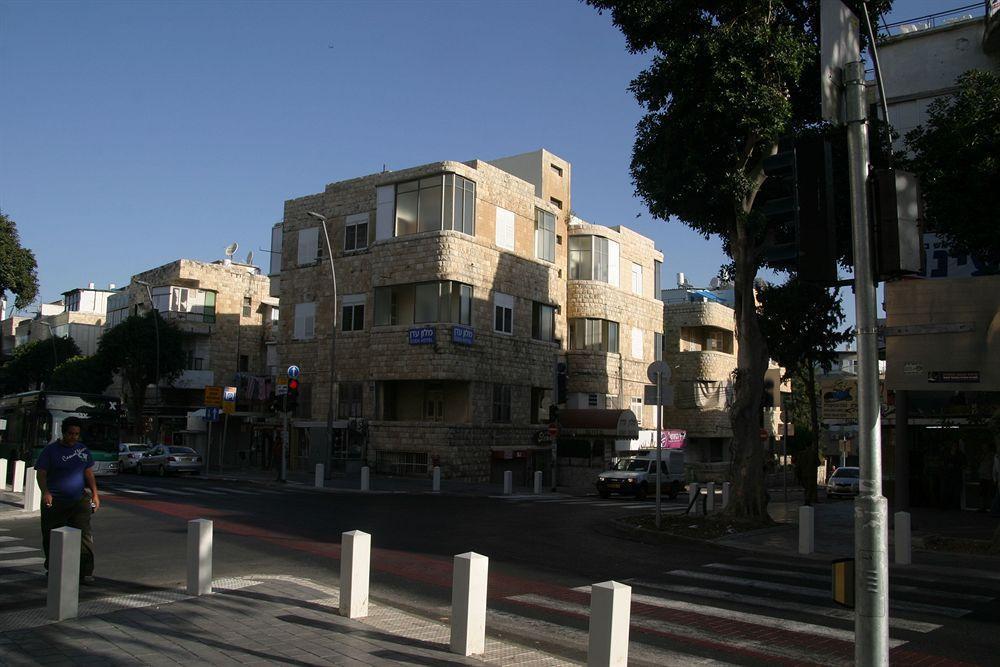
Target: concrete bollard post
x,y
610,604
468,604
365,480
18,476
538,481
903,539
710,504
63,600
3,474
693,492
355,566
436,479
199,557
508,482
807,534
727,490
32,492
320,474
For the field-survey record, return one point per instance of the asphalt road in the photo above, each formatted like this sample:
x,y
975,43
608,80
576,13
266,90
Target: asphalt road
x,y
692,602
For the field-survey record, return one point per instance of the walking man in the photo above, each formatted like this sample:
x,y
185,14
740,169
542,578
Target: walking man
x,y
64,469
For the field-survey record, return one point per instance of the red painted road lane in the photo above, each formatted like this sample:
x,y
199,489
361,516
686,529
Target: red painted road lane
x,y
437,571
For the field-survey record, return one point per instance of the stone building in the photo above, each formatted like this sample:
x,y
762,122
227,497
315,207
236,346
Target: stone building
x,y
452,315
79,314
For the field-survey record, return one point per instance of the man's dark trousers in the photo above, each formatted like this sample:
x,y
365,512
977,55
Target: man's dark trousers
x,y
75,515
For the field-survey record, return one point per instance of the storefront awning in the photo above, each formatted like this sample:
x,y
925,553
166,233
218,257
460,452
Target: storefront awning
x,y
617,424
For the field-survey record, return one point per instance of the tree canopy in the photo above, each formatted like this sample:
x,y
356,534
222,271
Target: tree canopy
x,y
33,363
89,375
18,269
956,155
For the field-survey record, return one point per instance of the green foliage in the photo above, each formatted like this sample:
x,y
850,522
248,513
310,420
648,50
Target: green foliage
x,y
81,374
956,155
33,363
17,265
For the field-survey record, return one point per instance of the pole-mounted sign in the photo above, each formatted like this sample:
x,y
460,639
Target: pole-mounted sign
x,y
293,371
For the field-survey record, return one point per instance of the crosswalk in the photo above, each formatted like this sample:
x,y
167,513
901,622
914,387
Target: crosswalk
x,y
593,501
753,610
134,490
19,562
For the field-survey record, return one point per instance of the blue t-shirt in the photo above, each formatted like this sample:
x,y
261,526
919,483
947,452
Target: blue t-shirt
x,y
65,467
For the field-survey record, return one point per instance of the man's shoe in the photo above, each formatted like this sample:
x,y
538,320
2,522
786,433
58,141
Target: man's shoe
x,y
87,579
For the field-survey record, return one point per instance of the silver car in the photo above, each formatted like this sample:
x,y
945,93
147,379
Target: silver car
x,y
164,459
843,482
129,454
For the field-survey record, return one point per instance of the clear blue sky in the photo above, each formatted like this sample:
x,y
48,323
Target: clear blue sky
x,y
136,133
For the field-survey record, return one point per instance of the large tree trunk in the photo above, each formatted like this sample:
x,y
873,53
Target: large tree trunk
x,y
812,453
749,497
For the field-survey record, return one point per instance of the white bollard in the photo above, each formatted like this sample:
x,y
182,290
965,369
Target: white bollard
x,y
436,479
355,565
18,476
727,490
903,539
693,492
609,620
468,604
64,574
320,474
32,492
3,474
508,482
538,481
199,557
365,481
710,504
807,536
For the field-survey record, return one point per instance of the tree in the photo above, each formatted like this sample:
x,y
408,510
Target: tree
x,y
801,323
727,79
33,363
956,155
130,350
17,265
88,375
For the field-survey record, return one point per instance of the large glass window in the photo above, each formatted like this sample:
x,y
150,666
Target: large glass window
x,y
445,201
191,304
419,303
501,403
543,321
580,262
545,235
596,335
593,258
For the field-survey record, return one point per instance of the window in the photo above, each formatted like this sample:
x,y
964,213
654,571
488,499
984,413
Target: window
x,y
658,347
593,334
353,312
636,405
636,343
505,228
556,202
593,258
543,321
537,400
434,404
277,231
304,326
438,301
657,269
193,304
244,363
356,232
503,308
447,201
501,403
274,313
636,279
556,168
545,235
72,302
308,249
247,306
349,399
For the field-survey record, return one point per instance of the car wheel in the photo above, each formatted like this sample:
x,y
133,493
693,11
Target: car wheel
x,y
675,489
604,493
161,471
640,493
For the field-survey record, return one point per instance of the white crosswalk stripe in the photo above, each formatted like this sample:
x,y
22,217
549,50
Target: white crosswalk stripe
x,y
236,491
207,491
21,562
16,550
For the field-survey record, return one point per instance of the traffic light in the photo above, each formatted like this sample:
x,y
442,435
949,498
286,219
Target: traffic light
x,y
292,398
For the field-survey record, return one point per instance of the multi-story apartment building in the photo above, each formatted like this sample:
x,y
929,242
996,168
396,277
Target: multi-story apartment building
x,y
80,315
453,312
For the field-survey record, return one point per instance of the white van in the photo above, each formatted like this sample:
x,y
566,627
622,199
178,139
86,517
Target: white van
x,y
636,475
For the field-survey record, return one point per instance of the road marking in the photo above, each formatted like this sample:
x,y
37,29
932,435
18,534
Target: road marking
x,y
19,576
134,491
8,538
16,550
163,489
241,493
744,617
21,562
918,607
825,579
785,605
196,490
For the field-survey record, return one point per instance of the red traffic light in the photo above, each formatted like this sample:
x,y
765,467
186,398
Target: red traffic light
x,y
293,384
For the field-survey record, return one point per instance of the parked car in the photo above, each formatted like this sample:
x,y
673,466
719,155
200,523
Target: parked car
x,y
843,482
636,475
165,459
129,454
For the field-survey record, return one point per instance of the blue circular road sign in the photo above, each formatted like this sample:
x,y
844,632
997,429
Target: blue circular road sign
x,y
293,372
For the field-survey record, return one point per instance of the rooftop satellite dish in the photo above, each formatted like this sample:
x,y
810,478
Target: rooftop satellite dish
x,y
714,283
250,258
231,249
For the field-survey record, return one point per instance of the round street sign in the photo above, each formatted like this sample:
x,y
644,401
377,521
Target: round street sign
x,y
293,372
553,430
661,367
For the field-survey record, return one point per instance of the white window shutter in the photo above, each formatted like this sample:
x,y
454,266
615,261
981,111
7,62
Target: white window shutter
x,y
636,343
308,246
614,264
505,228
385,197
636,279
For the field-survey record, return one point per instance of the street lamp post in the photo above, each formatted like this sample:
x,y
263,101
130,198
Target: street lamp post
x,y
156,328
333,335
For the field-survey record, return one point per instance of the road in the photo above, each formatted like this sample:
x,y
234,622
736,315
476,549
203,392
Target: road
x,y
692,602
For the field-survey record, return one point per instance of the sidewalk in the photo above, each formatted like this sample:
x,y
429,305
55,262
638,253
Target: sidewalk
x,y
252,620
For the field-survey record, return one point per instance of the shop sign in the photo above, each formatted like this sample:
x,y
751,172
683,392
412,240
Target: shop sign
x,y
462,335
421,336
